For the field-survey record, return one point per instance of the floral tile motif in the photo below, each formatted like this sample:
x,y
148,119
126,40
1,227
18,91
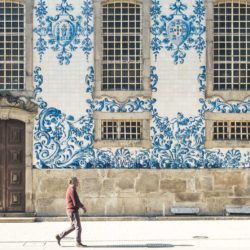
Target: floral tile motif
x,y
178,32
153,78
63,142
218,105
63,33
60,141
132,105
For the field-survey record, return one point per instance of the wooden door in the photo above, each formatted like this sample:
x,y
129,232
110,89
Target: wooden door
x,y
12,166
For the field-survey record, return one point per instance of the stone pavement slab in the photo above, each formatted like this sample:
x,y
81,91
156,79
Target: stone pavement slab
x,y
111,235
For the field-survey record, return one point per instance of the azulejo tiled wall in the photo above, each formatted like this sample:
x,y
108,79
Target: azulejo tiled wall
x,y
64,80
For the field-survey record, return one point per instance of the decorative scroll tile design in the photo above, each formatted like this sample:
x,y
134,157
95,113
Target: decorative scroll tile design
x,y
153,78
179,142
89,80
63,142
133,105
88,29
218,105
63,33
178,32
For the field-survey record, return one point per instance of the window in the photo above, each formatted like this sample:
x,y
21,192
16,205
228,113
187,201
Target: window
x,y
228,49
232,46
227,130
121,129
12,46
122,70
228,71
122,48
231,130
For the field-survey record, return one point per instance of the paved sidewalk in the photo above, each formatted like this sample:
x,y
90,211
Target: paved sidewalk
x,y
177,235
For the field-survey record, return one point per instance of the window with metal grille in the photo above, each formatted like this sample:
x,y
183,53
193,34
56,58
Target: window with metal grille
x,y
11,46
122,49
121,130
232,45
231,130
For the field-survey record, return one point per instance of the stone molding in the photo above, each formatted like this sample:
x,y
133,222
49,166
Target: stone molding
x,y
20,102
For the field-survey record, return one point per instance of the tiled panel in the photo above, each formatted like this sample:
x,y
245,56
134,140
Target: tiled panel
x,y
67,55
64,82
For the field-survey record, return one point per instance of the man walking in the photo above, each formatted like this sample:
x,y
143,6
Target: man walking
x,y
73,204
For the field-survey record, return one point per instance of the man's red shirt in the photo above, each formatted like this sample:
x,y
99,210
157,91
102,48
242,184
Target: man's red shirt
x,y
72,200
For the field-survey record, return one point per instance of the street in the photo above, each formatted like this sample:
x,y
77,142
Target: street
x,y
178,235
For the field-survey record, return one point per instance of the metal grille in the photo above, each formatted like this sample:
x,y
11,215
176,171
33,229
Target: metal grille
x,y
11,46
122,50
231,130
121,129
232,45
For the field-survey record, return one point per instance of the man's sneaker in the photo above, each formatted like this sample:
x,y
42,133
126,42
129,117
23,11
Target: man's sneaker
x,y
80,245
58,239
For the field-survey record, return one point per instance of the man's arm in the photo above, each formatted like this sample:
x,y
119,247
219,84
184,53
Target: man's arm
x,y
79,204
84,208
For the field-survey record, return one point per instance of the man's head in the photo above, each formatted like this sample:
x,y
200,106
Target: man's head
x,y
74,181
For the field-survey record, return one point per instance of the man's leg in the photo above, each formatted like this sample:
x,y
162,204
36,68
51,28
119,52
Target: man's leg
x,y
78,227
66,232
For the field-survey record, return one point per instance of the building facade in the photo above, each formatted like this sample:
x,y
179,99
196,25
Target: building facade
x,y
146,101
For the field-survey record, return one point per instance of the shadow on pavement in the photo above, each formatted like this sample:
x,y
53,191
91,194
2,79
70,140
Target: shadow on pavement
x,y
148,245
154,245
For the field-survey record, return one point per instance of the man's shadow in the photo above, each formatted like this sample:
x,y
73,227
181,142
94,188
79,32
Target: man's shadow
x,y
146,245
149,245
153,245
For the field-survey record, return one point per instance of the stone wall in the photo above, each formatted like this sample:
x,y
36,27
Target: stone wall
x,y
142,192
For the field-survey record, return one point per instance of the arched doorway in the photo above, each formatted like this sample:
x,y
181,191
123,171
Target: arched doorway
x,y
12,166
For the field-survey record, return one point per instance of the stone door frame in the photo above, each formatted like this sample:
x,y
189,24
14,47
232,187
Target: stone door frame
x,y
28,119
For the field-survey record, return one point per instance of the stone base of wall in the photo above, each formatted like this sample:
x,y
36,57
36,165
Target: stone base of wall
x,y
134,192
